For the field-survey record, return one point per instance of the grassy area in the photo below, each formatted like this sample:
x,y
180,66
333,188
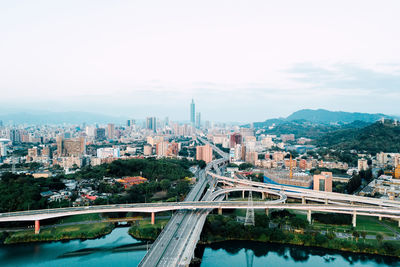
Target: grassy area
x,y
147,224
79,231
370,225
80,218
146,230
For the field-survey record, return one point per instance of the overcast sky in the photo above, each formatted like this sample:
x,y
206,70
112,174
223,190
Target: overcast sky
x,y
240,60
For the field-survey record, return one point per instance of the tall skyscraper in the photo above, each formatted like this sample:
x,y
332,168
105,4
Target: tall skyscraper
x,y
192,113
198,120
151,123
130,123
110,131
100,134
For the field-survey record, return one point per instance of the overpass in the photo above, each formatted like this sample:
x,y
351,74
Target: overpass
x,y
308,194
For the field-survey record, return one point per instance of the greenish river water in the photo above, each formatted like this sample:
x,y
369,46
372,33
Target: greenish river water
x,y
119,249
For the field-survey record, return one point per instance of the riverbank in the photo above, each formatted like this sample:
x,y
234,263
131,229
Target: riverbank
x,y
144,230
59,233
225,228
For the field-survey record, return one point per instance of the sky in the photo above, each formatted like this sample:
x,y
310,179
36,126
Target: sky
x,y
239,60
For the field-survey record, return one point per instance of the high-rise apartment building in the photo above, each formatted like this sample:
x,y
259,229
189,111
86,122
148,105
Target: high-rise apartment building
x,y
246,132
100,134
362,165
71,147
110,131
147,150
130,123
3,147
204,153
192,113
15,136
167,149
235,139
198,120
151,123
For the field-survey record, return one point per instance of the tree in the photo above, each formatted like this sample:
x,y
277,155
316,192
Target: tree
x,y
356,235
182,187
165,184
363,235
245,166
379,237
202,164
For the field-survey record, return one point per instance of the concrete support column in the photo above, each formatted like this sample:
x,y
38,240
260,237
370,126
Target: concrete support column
x,y
37,227
399,223
226,196
220,211
309,216
303,200
354,219
243,194
267,213
153,218
262,196
380,218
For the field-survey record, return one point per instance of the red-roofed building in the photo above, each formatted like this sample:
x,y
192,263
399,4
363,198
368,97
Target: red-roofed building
x,y
130,181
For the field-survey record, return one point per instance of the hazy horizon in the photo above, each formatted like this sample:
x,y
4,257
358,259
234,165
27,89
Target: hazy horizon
x,y
241,61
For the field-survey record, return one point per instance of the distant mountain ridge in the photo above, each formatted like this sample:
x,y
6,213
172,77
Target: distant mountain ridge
x,y
69,117
323,116
326,116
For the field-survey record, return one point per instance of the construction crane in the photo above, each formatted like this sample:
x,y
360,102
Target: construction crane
x,y
291,167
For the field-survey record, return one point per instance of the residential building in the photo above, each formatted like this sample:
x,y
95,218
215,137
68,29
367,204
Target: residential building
x,y
204,153
323,182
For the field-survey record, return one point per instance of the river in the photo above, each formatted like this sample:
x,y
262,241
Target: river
x,y
119,249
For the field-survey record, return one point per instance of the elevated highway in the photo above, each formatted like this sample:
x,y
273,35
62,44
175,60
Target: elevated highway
x,y
308,194
173,246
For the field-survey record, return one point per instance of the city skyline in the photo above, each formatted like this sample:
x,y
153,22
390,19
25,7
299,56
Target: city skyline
x,y
265,60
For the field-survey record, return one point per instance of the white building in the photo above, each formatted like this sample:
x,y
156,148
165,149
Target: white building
x,y
108,152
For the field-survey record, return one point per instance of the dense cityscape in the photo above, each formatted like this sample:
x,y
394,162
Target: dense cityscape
x,y
199,133
155,161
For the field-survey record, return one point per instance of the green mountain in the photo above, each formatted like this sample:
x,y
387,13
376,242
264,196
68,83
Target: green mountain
x,y
326,116
302,128
322,116
374,138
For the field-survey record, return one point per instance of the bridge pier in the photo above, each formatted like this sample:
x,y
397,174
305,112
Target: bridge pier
x,y
243,194
309,216
226,196
399,223
219,211
303,200
354,221
326,201
37,227
267,213
153,218
380,218
262,196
